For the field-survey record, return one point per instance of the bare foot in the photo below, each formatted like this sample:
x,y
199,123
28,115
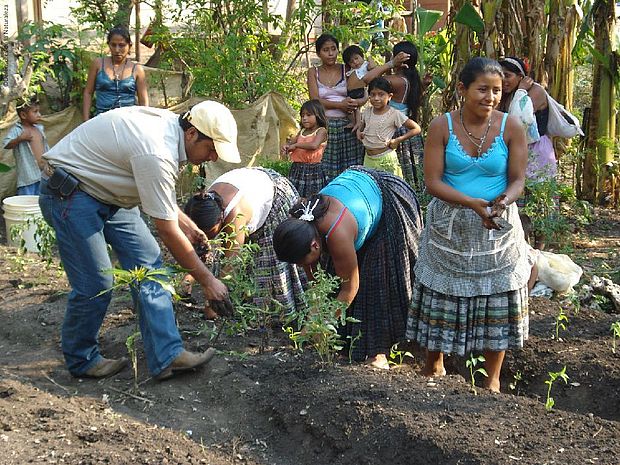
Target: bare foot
x,y
379,361
492,385
433,372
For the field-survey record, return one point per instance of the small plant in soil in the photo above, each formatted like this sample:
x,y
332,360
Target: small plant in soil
x,y
44,237
396,356
549,403
516,379
132,280
615,334
352,342
238,272
318,323
561,320
471,363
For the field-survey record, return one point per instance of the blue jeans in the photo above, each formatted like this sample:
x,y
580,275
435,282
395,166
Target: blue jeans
x,y
30,189
83,227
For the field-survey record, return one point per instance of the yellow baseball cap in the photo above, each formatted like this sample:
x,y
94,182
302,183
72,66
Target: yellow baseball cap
x,y
216,121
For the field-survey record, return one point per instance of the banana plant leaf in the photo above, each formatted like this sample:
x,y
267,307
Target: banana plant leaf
x,y
470,17
426,19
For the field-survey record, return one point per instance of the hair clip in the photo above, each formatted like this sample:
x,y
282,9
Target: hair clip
x,y
307,211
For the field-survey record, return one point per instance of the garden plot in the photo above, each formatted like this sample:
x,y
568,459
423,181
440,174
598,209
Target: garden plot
x,y
281,407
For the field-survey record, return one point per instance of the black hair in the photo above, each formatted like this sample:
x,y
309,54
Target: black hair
x,y
25,104
382,84
185,125
323,39
351,50
119,31
478,66
292,239
512,67
414,96
205,209
314,107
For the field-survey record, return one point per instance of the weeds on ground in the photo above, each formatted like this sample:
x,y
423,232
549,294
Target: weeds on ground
x,y
352,342
615,334
396,356
471,364
317,325
549,403
561,320
133,279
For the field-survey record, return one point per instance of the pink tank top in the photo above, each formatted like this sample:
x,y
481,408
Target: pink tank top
x,y
299,155
333,94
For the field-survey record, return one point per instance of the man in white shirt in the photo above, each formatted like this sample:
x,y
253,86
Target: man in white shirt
x,y
96,178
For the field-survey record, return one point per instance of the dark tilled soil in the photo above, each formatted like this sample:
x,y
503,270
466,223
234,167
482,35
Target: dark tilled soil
x,y
281,408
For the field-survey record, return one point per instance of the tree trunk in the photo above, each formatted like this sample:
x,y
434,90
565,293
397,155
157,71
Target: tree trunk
x,y
534,39
602,118
17,81
123,13
461,54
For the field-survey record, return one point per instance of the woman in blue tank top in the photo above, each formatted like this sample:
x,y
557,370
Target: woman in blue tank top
x,y
364,227
116,80
470,292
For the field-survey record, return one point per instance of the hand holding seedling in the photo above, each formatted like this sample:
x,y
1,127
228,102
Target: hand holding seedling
x,y
498,206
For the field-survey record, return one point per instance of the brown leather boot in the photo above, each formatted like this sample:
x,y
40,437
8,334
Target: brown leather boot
x,y
106,367
186,361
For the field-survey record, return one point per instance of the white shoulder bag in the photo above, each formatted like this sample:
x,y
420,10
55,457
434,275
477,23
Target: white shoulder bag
x,y
561,122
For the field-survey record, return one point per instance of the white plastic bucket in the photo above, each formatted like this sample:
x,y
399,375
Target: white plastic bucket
x,y
17,210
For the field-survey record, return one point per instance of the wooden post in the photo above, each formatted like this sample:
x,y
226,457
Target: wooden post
x,y
138,27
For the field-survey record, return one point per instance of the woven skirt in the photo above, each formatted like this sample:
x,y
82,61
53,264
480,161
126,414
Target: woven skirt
x,y
277,280
343,149
460,325
410,156
471,283
385,264
308,178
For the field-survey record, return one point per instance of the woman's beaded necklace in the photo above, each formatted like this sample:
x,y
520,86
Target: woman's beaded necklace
x,y
473,138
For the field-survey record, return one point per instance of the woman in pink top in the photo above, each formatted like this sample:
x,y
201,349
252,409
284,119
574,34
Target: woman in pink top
x,y
306,150
327,83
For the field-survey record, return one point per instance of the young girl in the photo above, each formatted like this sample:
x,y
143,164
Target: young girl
x,y
306,150
379,123
408,91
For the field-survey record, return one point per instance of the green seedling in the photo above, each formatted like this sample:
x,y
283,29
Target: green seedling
x,y
615,331
518,376
397,356
133,279
317,324
560,321
549,403
471,364
352,342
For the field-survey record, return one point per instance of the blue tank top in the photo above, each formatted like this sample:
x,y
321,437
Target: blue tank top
x,y
112,93
361,195
483,177
402,107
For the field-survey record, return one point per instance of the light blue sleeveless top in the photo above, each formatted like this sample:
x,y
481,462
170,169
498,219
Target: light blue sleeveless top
x,y
483,177
402,107
111,93
359,193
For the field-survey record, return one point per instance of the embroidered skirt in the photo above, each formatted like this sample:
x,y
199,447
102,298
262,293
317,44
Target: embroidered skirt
x,y
471,283
343,149
281,281
410,156
385,264
308,178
